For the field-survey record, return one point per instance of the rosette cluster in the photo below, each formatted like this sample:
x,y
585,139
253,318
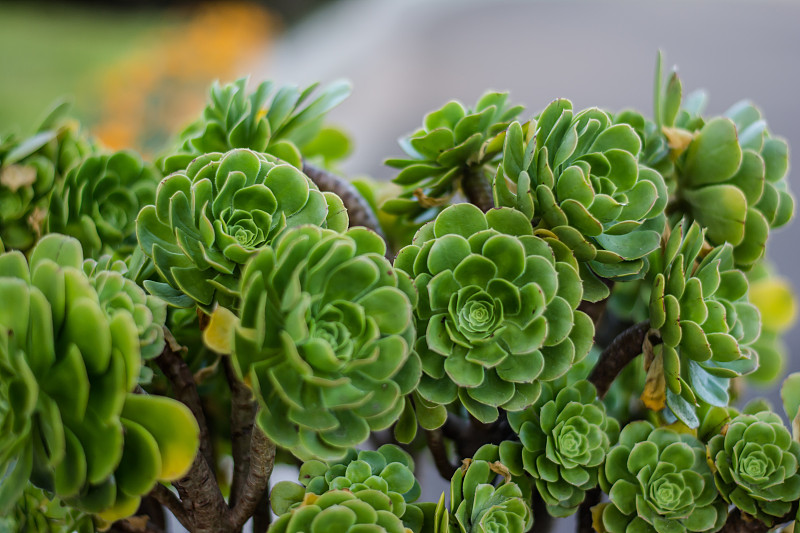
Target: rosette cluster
x,y
282,124
341,511
755,466
699,306
99,199
69,360
369,474
564,439
658,480
120,293
209,219
497,309
454,141
325,336
578,175
727,172
29,170
481,504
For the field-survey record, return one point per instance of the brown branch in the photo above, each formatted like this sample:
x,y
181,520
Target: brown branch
x,y
741,523
584,523
478,189
243,412
262,518
262,459
165,497
436,446
184,388
622,350
202,498
358,210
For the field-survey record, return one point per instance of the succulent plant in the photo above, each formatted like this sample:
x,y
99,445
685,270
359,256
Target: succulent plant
x,y
755,465
480,504
699,307
388,470
453,142
35,511
119,293
69,358
99,199
658,480
325,339
578,175
564,439
29,169
497,309
728,172
209,219
283,125
341,511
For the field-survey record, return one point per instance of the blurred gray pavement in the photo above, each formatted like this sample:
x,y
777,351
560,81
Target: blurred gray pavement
x,y
408,57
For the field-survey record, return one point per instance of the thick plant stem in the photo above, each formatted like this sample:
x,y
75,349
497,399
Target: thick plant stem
x,y
243,412
739,523
358,209
436,445
622,350
477,189
592,498
184,388
165,497
262,459
203,500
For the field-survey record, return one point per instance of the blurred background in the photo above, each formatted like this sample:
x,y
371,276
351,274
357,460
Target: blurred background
x,y
138,71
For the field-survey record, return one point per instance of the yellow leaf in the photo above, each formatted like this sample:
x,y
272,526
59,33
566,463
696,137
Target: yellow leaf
x,y
121,509
218,335
597,517
654,395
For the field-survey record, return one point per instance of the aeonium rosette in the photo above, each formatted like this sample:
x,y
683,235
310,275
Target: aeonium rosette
x,y
497,309
564,440
658,480
210,219
324,337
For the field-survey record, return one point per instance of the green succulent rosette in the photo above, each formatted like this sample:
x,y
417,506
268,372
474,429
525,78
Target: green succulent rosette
x,y
209,219
699,306
579,176
455,141
388,470
658,480
341,511
728,172
118,292
69,359
755,466
481,504
325,337
29,170
35,511
286,124
497,309
564,440
99,199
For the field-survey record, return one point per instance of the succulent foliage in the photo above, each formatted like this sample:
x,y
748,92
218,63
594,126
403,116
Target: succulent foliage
x,y
564,440
210,218
326,336
658,480
496,312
